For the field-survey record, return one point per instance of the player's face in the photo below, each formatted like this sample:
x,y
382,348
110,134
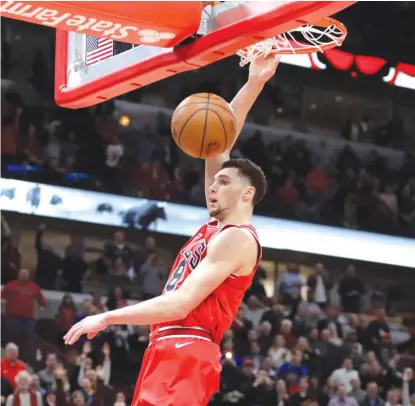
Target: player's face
x,y
228,190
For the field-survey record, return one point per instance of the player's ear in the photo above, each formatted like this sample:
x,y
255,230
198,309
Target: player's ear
x,y
248,194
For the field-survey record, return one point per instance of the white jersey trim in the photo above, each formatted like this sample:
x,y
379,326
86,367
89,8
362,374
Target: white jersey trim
x,y
182,336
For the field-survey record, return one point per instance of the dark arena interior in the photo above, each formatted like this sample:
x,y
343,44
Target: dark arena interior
x,y
96,202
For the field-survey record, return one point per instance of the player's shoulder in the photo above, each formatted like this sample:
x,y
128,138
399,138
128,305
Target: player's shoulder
x,y
237,238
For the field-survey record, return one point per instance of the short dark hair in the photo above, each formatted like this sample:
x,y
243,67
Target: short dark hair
x,y
252,172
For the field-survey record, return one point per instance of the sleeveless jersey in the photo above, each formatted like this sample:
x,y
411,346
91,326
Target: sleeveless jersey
x,y
217,312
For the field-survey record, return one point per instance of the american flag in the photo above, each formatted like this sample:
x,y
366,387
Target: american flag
x,y
98,49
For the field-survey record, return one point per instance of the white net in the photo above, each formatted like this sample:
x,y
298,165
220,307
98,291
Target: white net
x,y
301,40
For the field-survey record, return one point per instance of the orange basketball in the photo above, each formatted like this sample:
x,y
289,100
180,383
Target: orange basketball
x,y
203,125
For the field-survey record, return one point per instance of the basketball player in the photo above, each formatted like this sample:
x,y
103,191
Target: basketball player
x,y
206,284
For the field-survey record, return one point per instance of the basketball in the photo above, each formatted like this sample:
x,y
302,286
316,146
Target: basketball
x,y
203,125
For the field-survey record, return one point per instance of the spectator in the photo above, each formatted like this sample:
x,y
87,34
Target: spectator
x,y
10,255
350,289
98,304
20,296
150,246
330,355
52,149
6,390
291,284
265,338
240,327
378,333
282,397
388,197
310,356
23,395
342,398
31,147
46,375
116,299
393,398
343,376
357,392
114,154
293,367
287,333
48,261
119,249
254,311
289,194
152,277
376,373
255,354
35,386
319,285
74,269
407,379
331,318
261,392
10,114
372,396
10,364
66,316
317,184
303,393
274,316
300,322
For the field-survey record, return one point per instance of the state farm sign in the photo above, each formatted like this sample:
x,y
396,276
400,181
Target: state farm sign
x,y
52,17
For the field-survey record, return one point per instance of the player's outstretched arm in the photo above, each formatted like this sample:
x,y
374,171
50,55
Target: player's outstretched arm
x,y
260,71
232,251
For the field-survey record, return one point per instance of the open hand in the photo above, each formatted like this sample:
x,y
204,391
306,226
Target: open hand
x,y
59,372
408,375
90,326
100,371
51,399
39,355
106,350
86,348
263,68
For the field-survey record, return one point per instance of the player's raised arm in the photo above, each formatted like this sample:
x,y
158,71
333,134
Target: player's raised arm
x,y
260,71
234,250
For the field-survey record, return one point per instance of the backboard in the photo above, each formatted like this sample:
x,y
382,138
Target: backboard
x,y
94,63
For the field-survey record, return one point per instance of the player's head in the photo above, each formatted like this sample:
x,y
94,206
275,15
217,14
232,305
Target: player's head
x,y
239,185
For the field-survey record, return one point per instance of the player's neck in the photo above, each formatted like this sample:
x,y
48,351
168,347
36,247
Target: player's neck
x,y
236,218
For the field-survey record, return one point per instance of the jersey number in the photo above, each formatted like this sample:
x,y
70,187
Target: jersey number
x,y
175,276
192,257
195,256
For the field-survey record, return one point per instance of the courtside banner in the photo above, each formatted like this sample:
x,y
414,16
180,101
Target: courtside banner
x,y
177,219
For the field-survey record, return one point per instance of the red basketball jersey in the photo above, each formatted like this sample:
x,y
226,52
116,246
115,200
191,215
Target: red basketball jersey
x,y
216,313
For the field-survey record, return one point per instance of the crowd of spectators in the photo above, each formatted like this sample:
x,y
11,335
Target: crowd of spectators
x,y
308,181
118,263
301,346
279,350
89,149
311,342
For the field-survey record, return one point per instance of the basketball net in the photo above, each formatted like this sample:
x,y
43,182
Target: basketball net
x,y
327,33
